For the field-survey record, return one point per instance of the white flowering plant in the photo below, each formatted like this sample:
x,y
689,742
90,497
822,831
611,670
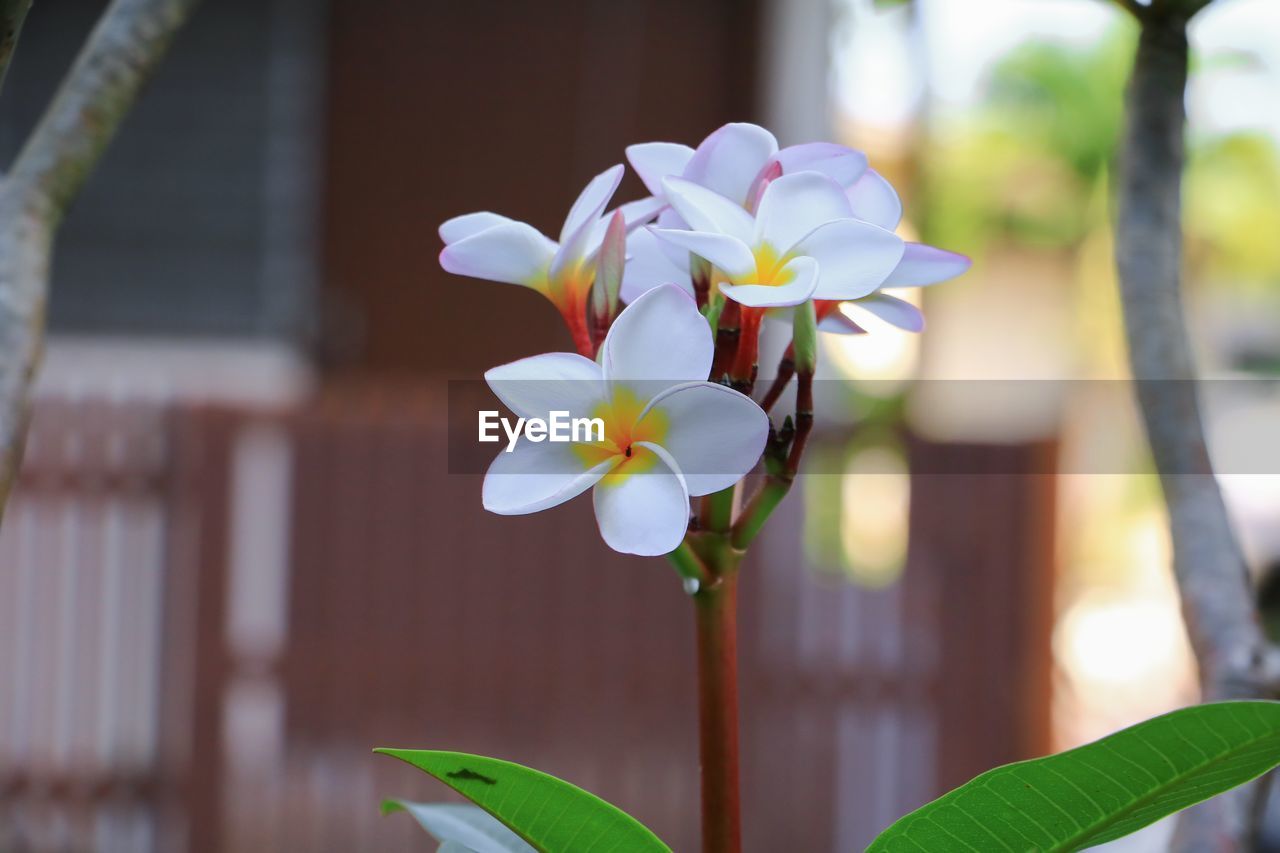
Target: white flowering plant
x,y
665,299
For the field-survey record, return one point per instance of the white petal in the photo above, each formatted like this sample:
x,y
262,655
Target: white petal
x,y
729,159
894,311
728,253
921,265
634,214
537,476
874,200
649,265
706,210
670,219
794,205
837,323
592,201
804,278
842,164
854,257
464,226
714,434
559,381
645,513
660,336
511,252
654,161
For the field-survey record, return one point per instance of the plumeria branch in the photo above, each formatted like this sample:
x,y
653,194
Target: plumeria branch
x,y
99,90
1234,656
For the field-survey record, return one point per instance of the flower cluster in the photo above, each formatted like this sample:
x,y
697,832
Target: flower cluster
x,y
734,230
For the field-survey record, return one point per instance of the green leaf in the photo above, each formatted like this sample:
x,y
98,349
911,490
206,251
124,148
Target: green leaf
x,y
465,827
1100,791
549,813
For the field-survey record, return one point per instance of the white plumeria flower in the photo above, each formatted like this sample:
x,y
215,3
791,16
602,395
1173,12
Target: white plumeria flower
x,y
875,201
802,243
732,161
492,247
920,266
669,433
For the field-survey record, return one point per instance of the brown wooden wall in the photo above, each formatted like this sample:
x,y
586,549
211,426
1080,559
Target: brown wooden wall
x,y
409,617
438,108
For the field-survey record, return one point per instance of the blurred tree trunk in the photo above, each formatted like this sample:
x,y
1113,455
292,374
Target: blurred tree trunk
x,y
1217,595
97,92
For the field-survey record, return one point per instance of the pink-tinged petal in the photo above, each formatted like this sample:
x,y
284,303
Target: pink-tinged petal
x,y
922,265
874,200
794,205
838,324
634,214
469,224
770,173
654,161
559,381
592,201
537,476
842,164
728,253
803,273
853,257
729,159
649,265
894,311
510,252
660,336
706,210
645,513
714,434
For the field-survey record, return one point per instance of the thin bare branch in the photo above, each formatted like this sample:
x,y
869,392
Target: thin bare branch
x,y
12,15
83,116
1234,657
119,56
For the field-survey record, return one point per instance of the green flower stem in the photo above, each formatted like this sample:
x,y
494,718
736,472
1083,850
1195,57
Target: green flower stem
x,y
758,510
688,564
716,511
716,609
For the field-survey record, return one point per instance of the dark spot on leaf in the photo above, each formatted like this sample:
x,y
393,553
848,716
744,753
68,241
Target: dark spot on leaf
x,y
465,775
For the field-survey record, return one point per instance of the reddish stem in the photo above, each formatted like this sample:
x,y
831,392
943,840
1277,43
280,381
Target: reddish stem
x,y
717,621
727,337
748,345
803,421
786,369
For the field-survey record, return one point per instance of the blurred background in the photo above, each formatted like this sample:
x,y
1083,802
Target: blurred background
x,y
237,560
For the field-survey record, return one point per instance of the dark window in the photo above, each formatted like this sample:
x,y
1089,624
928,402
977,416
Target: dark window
x,y
199,218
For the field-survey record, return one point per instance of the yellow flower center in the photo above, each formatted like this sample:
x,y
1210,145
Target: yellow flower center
x,y
623,429
571,287
769,266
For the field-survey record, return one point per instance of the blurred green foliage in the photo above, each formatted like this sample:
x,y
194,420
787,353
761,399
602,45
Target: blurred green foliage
x,y
1029,167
